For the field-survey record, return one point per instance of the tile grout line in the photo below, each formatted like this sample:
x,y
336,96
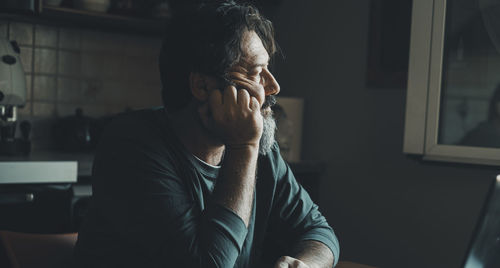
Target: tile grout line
x,y
56,90
32,93
8,29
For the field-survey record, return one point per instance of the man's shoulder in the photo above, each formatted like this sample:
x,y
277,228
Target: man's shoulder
x,y
274,153
142,131
272,162
136,124
141,140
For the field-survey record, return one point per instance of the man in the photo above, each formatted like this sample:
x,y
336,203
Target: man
x,y
201,183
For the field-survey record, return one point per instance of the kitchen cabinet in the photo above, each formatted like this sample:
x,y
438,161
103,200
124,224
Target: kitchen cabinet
x,y
35,193
37,208
102,21
71,17
145,24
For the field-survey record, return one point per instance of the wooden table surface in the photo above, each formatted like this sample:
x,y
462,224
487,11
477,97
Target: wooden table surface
x,y
348,264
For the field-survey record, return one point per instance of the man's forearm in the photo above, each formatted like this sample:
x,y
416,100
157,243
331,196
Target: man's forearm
x,y
236,183
313,253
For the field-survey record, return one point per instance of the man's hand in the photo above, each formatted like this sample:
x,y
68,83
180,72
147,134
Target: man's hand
x,y
243,78
238,116
315,254
289,262
234,116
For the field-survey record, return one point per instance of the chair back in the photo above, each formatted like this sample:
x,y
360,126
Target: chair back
x,y
23,250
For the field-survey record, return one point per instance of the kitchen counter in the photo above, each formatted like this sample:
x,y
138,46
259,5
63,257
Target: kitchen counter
x,y
42,182
84,161
54,167
45,167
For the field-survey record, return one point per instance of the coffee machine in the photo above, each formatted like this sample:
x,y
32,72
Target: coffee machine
x,y
12,96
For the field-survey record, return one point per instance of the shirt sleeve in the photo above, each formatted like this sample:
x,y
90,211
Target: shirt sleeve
x,y
295,217
141,195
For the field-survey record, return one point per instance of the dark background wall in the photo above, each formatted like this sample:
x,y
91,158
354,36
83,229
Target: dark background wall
x,y
387,209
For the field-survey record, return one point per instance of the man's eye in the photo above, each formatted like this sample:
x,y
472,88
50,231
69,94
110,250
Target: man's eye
x,y
255,76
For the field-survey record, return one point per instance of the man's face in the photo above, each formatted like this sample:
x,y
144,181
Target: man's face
x,y
253,70
253,67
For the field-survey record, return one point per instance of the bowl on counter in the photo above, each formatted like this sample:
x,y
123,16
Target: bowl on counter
x,y
93,5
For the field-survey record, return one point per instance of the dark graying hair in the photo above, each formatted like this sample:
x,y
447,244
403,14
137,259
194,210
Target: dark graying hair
x,y
207,39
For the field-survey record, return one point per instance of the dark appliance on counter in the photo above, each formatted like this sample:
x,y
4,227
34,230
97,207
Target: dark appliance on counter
x,y
73,133
12,96
78,133
43,208
9,144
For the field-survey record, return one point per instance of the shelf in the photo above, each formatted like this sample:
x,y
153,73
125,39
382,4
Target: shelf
x,y
84,160
103,21
63,16
23,172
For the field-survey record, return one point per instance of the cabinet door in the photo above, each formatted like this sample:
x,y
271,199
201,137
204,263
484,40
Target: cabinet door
x,y
35,208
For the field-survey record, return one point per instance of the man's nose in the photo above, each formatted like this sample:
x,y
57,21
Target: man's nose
x,y
271,87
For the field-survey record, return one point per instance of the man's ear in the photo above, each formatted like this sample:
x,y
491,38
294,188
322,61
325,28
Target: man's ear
x,y
198,86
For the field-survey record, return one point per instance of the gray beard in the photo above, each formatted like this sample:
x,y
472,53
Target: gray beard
x,y
267,139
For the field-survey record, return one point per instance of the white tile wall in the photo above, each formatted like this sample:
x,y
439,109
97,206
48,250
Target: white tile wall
x,y
45,36
21,32
4,25
45,61
44,109
27,58
103,73
69,63
69,90
28,87
44,88
69,38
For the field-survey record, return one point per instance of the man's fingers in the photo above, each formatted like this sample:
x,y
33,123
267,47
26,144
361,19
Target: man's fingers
x,y
281,264
244,98
230,95
289,262
254,104
254,88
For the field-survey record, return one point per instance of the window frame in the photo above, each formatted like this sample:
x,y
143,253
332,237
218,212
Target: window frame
x,y
423,98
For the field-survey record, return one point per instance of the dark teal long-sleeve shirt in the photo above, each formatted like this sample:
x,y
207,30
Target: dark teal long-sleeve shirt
x,y
151,206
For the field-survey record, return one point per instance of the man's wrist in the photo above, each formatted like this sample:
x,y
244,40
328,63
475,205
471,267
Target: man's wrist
x,y
314,254
242,147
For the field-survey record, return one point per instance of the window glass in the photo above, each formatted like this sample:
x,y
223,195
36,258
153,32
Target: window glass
x,y
470,93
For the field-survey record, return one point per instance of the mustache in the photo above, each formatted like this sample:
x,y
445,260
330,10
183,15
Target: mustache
x,y
270,101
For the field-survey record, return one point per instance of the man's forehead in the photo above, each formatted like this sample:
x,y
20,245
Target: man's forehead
x,y
254,52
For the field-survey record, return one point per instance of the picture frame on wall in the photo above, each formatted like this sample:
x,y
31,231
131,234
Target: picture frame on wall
x,y
288,113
